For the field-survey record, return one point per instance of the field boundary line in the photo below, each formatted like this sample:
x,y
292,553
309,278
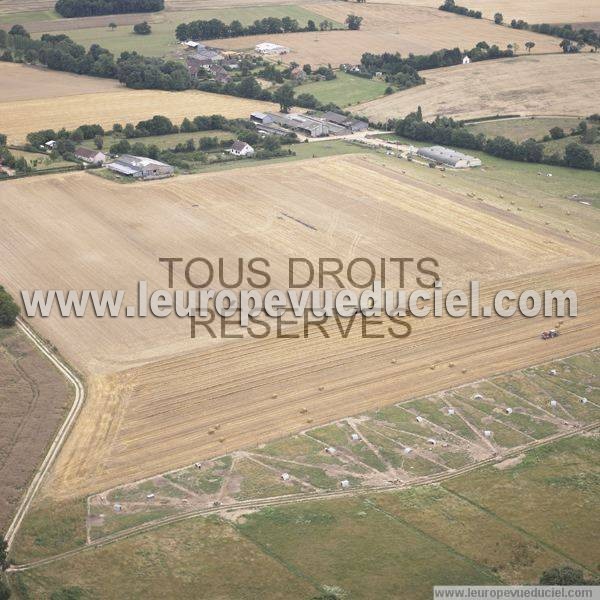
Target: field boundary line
x,y
61,435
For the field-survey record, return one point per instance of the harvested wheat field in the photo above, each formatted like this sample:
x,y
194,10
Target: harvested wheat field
x,y
123,105
33,400
22,82
532,11
527,85
154,393
389,28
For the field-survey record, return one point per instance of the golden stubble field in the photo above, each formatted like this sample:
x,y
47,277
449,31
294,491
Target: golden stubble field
x,y
532,11
39,99
528,85
389,28
154,393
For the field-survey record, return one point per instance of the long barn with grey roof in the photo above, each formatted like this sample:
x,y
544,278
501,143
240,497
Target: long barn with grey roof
x,y
446,156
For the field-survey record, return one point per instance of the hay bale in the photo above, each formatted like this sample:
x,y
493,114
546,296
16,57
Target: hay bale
x,y
321,388
303,410
274,396
463,371
394,361
451,364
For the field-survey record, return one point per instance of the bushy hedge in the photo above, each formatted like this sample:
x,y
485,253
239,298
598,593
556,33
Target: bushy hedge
x,y
9,311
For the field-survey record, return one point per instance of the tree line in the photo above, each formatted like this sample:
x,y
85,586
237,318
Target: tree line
x,y
404,72
448,132
90,8
216,29
61,53
451,6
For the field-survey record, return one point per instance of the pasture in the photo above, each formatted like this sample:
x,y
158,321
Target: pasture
x,y
145,392
345,90
527,85
522,129
389,28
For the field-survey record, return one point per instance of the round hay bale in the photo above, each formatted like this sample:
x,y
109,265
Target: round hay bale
x,y
394,361
463,371
540,205
221,439
303,410
512,202
309,420
321,388
274,396
451,364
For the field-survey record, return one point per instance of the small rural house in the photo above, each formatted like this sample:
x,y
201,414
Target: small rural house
x,y
240,148
345,483
446,156
92,157
140,167
298,74
269,48
466,60
50,145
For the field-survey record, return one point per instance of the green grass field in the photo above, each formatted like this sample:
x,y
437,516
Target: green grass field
x,y
496,525
162,41
345,90
28,17
560,145
519,130
40,161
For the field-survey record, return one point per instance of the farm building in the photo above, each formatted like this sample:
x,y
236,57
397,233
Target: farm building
x,y
269,48
449,157
240,148
271,130
92,157
140,167
466,60
261,117
308,126
352,125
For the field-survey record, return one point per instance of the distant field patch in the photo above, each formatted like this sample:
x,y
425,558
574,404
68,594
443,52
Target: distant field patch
x,y
554,85
345,90
519,130
162,40
119,106
389,28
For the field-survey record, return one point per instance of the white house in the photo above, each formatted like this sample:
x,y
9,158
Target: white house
x,y
330,450
466,60
355,437
285,476
241,149
92,157
345,483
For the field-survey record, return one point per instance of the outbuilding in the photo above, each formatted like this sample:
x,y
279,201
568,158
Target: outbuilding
x,y
140,167
269,48
451,158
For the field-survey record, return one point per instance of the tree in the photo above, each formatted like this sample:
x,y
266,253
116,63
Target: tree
x,y
565,576
9,311
498,18
566,46
578,157
557,133
4,591
285,97
112,25
99,142
3,542
529,46
142,28
19,30
2,139
353,22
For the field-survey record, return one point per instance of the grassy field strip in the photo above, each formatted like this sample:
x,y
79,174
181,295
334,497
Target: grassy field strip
x,y
271,502
516,527
438,541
